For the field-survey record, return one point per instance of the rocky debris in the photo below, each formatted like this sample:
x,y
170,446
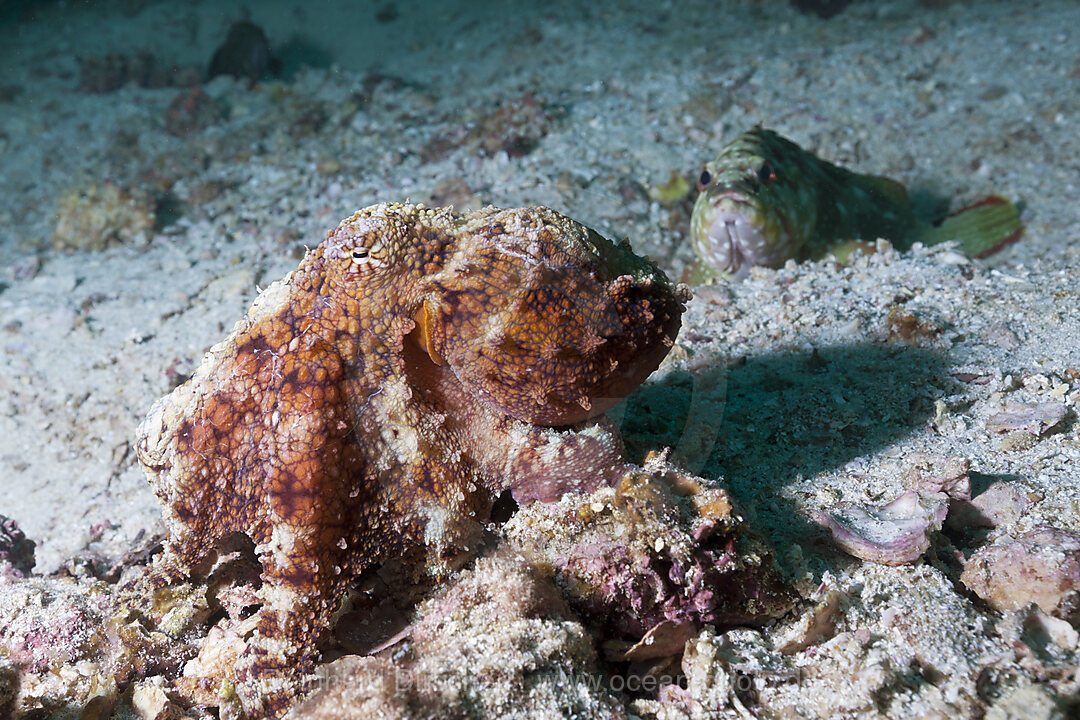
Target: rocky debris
x,y
662,546
499,639
192,111
102,215
16,550
1041,566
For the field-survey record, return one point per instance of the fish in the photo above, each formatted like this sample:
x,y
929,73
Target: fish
x,y
764,200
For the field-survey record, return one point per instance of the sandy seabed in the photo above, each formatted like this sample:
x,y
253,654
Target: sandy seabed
x,y
590,108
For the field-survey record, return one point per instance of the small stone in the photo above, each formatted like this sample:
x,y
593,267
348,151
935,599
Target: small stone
x,y
939,474
16,550
671,191
1017,442
999,334
245,53
1041,566
192,111
1043,629
150,702
328,167
818,624
1027,700
25,268
999,504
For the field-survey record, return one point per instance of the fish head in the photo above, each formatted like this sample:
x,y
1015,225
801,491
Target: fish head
x,y
751,209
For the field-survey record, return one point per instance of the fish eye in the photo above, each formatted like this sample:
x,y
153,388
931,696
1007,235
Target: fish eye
x,y
704,179
765,174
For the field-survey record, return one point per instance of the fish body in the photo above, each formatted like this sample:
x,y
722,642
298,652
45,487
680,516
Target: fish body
x,y
764,200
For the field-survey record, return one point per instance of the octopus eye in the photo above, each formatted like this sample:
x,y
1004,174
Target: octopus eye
x,y
765,174
704,180
361,256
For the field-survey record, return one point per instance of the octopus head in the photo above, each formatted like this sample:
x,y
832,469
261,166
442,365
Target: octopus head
x,y
546,320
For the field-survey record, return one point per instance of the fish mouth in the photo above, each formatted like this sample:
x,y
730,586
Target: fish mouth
x,y
736,241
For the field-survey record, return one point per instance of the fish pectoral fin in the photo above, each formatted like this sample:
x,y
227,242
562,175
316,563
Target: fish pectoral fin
x,y
982,228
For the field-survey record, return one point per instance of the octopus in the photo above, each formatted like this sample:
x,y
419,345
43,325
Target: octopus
x,y
372,403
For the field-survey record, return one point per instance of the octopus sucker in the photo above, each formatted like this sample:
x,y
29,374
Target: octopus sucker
x,y
372,403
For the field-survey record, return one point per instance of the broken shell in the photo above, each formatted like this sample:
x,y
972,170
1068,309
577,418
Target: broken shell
x,y
1035,418
818,624
893,534
663,639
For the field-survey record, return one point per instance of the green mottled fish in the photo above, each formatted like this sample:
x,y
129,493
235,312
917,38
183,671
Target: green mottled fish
x,y
765,200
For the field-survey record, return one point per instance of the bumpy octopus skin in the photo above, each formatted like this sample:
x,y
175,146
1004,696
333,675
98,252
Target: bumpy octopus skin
x,y
372,403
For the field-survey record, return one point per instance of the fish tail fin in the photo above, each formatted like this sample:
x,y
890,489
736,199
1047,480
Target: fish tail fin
x,y
982,228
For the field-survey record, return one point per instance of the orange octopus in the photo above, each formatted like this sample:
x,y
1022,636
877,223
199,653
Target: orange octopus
x,y
374,401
